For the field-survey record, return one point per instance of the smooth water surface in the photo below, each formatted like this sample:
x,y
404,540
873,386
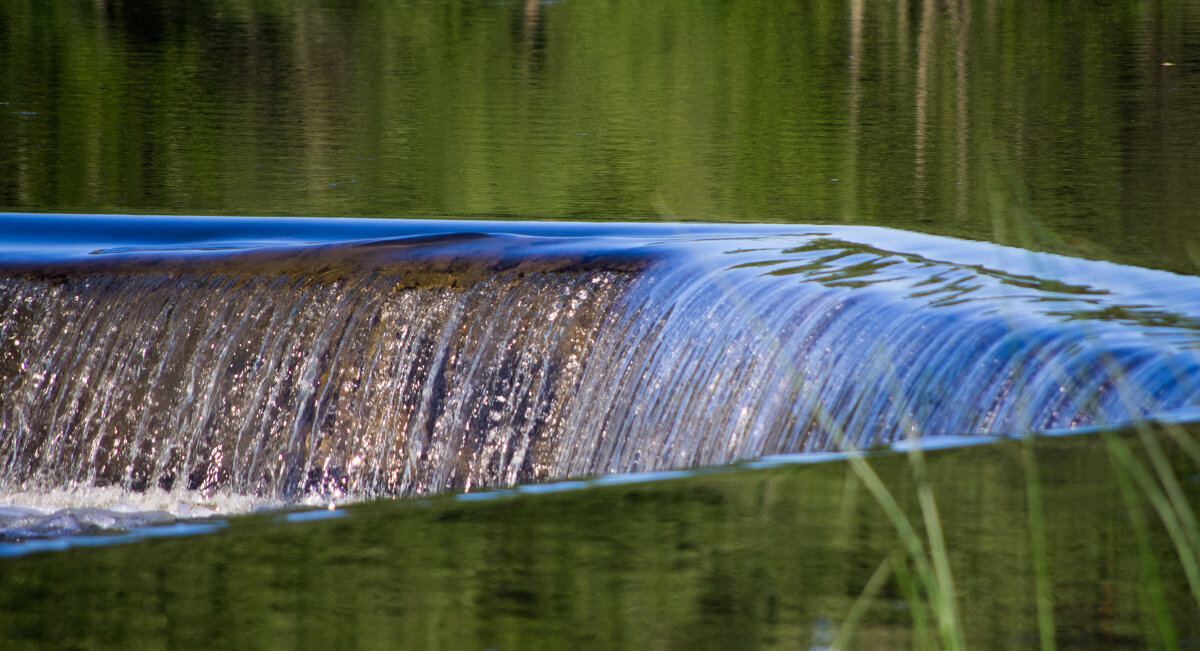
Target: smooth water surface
x,y
1062,127
960,218
747,559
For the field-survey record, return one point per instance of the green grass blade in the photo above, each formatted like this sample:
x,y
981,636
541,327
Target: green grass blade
x,y
860,605
1153,578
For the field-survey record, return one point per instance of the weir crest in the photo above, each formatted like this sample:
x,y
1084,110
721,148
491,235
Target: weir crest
x,y
344,359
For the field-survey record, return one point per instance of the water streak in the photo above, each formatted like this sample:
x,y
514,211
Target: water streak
x,y
502,354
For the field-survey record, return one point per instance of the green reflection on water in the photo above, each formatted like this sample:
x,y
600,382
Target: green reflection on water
x,y
743,559
1053,126
1048,125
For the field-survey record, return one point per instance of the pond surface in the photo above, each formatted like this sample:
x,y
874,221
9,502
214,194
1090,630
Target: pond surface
x,y
1062,127
771,558
135,353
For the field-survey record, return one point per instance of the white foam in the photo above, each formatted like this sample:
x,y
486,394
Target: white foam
x,y
77,510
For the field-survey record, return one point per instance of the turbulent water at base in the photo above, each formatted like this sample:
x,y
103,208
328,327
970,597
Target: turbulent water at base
x,y
323,368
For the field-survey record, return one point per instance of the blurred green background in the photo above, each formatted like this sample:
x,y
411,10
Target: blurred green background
x,y
1054,126
1060,126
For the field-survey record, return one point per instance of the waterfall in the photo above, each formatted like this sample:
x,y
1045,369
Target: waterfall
x,y
366,358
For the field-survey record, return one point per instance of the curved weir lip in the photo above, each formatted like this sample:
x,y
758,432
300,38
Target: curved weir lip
x,y
31,241
293,358
48,238
176,529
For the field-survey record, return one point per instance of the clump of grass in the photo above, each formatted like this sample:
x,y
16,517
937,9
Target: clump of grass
x,y
929,585
1015,222
931,565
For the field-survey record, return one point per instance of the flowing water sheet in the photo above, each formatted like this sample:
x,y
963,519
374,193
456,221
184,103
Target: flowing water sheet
x,y
203,363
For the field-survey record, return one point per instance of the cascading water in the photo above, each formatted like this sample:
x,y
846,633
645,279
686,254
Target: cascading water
x,y
259,384
809,343
279,359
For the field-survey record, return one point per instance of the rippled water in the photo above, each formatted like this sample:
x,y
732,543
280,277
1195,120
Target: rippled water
x,y
1052,127
743,559
970,218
